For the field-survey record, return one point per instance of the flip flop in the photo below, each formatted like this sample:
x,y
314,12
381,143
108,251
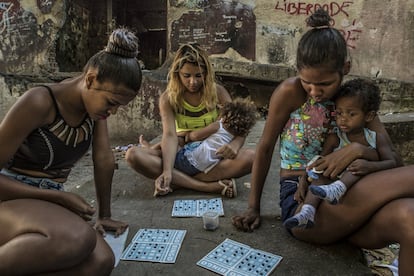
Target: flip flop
x,y
226,187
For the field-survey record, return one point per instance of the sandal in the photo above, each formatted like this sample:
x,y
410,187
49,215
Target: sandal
x,y
230,193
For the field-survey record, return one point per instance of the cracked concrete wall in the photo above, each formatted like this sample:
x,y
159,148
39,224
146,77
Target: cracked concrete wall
x,y
379,33
28,31
249,40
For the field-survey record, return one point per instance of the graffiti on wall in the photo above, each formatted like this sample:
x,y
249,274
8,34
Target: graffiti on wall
x,y
189,4
45,6
351,28
22,38
7,9
218,27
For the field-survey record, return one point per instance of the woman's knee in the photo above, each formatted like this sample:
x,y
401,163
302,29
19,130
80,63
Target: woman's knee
x,y
73,245
102,259
131,156
403,220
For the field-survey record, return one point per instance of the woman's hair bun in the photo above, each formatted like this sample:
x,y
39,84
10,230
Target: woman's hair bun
x,y
122,42
319,19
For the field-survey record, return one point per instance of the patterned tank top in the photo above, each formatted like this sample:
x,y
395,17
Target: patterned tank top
x,y
304,133
54,149
194,117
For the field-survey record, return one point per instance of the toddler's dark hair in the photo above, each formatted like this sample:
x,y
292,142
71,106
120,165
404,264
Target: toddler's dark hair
x,y
323,45
367,91
239,116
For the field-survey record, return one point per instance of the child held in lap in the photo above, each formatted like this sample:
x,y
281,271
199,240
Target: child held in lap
x,y
357,103
199,153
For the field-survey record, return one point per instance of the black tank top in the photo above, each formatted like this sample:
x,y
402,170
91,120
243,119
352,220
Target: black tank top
x,y
54,149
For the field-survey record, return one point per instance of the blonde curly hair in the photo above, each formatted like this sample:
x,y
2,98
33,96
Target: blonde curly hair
x,y
194,54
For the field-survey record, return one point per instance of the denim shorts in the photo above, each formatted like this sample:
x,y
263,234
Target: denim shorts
x,y
183,165
42,183
288,187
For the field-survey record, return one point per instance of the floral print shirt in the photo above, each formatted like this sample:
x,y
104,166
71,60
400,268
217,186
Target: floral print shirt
x,y
304,133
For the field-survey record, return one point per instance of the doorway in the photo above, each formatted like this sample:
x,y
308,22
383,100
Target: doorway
x,y
148,19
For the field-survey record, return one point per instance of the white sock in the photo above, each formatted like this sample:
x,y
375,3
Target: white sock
x,y
331,192
302,219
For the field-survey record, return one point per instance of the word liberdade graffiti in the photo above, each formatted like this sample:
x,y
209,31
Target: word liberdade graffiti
x,y
350,28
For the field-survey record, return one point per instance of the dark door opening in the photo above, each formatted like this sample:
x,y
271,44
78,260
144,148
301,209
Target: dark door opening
x,y
149,20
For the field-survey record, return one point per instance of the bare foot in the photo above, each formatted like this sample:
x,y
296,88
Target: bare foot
x,y
144,143
229,187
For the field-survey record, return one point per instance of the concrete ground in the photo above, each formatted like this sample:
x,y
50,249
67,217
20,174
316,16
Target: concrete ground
x,y
133,202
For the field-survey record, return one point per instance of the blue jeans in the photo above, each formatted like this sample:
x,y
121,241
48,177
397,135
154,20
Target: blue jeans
x,y
183,165
288,187
42,183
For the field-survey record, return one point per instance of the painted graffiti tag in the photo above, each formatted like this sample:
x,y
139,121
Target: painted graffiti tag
x,y
350,29
5,16
302,8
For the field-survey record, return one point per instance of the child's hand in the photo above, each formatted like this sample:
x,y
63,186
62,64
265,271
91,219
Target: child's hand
x,y
359,167
226,152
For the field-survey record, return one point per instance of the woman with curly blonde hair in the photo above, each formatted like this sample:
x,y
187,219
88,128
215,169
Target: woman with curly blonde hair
x,y
191,103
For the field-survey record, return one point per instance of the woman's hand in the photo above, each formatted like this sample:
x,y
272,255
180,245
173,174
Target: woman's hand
x,y
183,138
162,184
108,224
300,193
336,162
248,221
76,204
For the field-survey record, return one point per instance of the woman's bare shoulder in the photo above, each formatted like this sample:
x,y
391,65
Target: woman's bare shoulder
x,y
291,91
163,97
222,94
290,85
36,101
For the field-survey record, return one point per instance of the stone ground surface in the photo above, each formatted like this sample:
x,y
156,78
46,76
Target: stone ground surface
x,y
133,202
